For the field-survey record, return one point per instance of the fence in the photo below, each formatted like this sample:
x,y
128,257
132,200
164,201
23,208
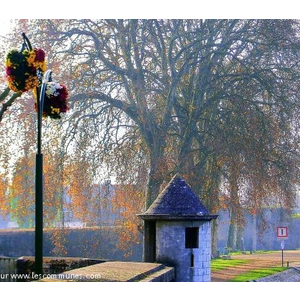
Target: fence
x,y
8,268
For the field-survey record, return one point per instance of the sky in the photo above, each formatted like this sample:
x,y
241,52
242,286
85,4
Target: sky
x,y
151,9
4,26
155,9
4,29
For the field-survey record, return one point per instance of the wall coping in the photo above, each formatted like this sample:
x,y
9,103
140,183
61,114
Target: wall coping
x,y
116,271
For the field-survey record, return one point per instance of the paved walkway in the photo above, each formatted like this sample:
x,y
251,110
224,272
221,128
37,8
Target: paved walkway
x,y
257,261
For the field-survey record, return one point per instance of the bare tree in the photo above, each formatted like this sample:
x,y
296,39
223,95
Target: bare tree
x,y
199,96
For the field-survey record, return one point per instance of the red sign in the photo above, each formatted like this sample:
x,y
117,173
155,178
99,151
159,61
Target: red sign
x,y
282,232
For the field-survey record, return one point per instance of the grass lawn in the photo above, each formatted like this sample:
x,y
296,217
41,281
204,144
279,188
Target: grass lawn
x,y
220,264
296,216
255,274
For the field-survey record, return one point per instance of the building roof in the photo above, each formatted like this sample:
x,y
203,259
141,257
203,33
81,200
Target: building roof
x,y
177,202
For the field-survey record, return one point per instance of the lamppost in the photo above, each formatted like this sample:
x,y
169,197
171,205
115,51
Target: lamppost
x,y
26,70
39,192
39,177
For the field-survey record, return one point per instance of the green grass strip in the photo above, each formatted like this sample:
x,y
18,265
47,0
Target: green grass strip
x,y
221,264
296,216
256,274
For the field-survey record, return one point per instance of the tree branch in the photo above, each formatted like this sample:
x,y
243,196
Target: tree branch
x,y
4,94
8,103
125,107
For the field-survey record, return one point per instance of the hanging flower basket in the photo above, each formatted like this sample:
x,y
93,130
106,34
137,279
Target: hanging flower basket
x,y
56,100
24,70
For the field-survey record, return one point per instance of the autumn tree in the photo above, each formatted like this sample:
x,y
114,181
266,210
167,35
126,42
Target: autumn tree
x,y
7,97
215,100
4,205
22,193
126,200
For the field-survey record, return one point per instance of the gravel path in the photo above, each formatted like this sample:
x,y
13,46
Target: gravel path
x,y
257,261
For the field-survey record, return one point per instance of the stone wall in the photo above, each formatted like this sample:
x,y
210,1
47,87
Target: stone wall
x,y
101,243
51,265
192,264
84,242
260,231
203,273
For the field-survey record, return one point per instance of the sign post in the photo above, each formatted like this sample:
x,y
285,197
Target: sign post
x,y
282,234
282,248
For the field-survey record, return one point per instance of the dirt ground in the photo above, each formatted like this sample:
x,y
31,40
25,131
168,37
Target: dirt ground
x,y
257,261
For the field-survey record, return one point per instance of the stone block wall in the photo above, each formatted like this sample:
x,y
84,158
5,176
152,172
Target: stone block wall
x,y
259,232
192,264
202,256
51,265
85,242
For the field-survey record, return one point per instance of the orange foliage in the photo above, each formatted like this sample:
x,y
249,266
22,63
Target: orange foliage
x,y
58,239
4,205
53,190
22,192
129,199
79,189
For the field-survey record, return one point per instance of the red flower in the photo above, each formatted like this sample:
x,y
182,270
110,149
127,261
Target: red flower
x,y
40,55
63,92
9,71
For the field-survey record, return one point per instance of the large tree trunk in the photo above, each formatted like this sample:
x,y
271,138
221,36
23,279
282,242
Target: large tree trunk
x,y
153,187
235,231
254,233
214,238
198,176
232,234
240,238
235,207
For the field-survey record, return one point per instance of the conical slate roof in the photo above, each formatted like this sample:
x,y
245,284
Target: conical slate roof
x,y
177,201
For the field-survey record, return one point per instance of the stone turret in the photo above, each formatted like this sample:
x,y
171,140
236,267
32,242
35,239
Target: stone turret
x,y
179,233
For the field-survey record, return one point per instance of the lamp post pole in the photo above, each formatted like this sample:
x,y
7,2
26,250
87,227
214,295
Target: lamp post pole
x,y
39,178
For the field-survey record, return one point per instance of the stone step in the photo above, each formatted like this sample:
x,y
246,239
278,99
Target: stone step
x,y
167,274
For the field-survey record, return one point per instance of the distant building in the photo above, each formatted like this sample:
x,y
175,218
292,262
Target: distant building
x,y
6,223
100,205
